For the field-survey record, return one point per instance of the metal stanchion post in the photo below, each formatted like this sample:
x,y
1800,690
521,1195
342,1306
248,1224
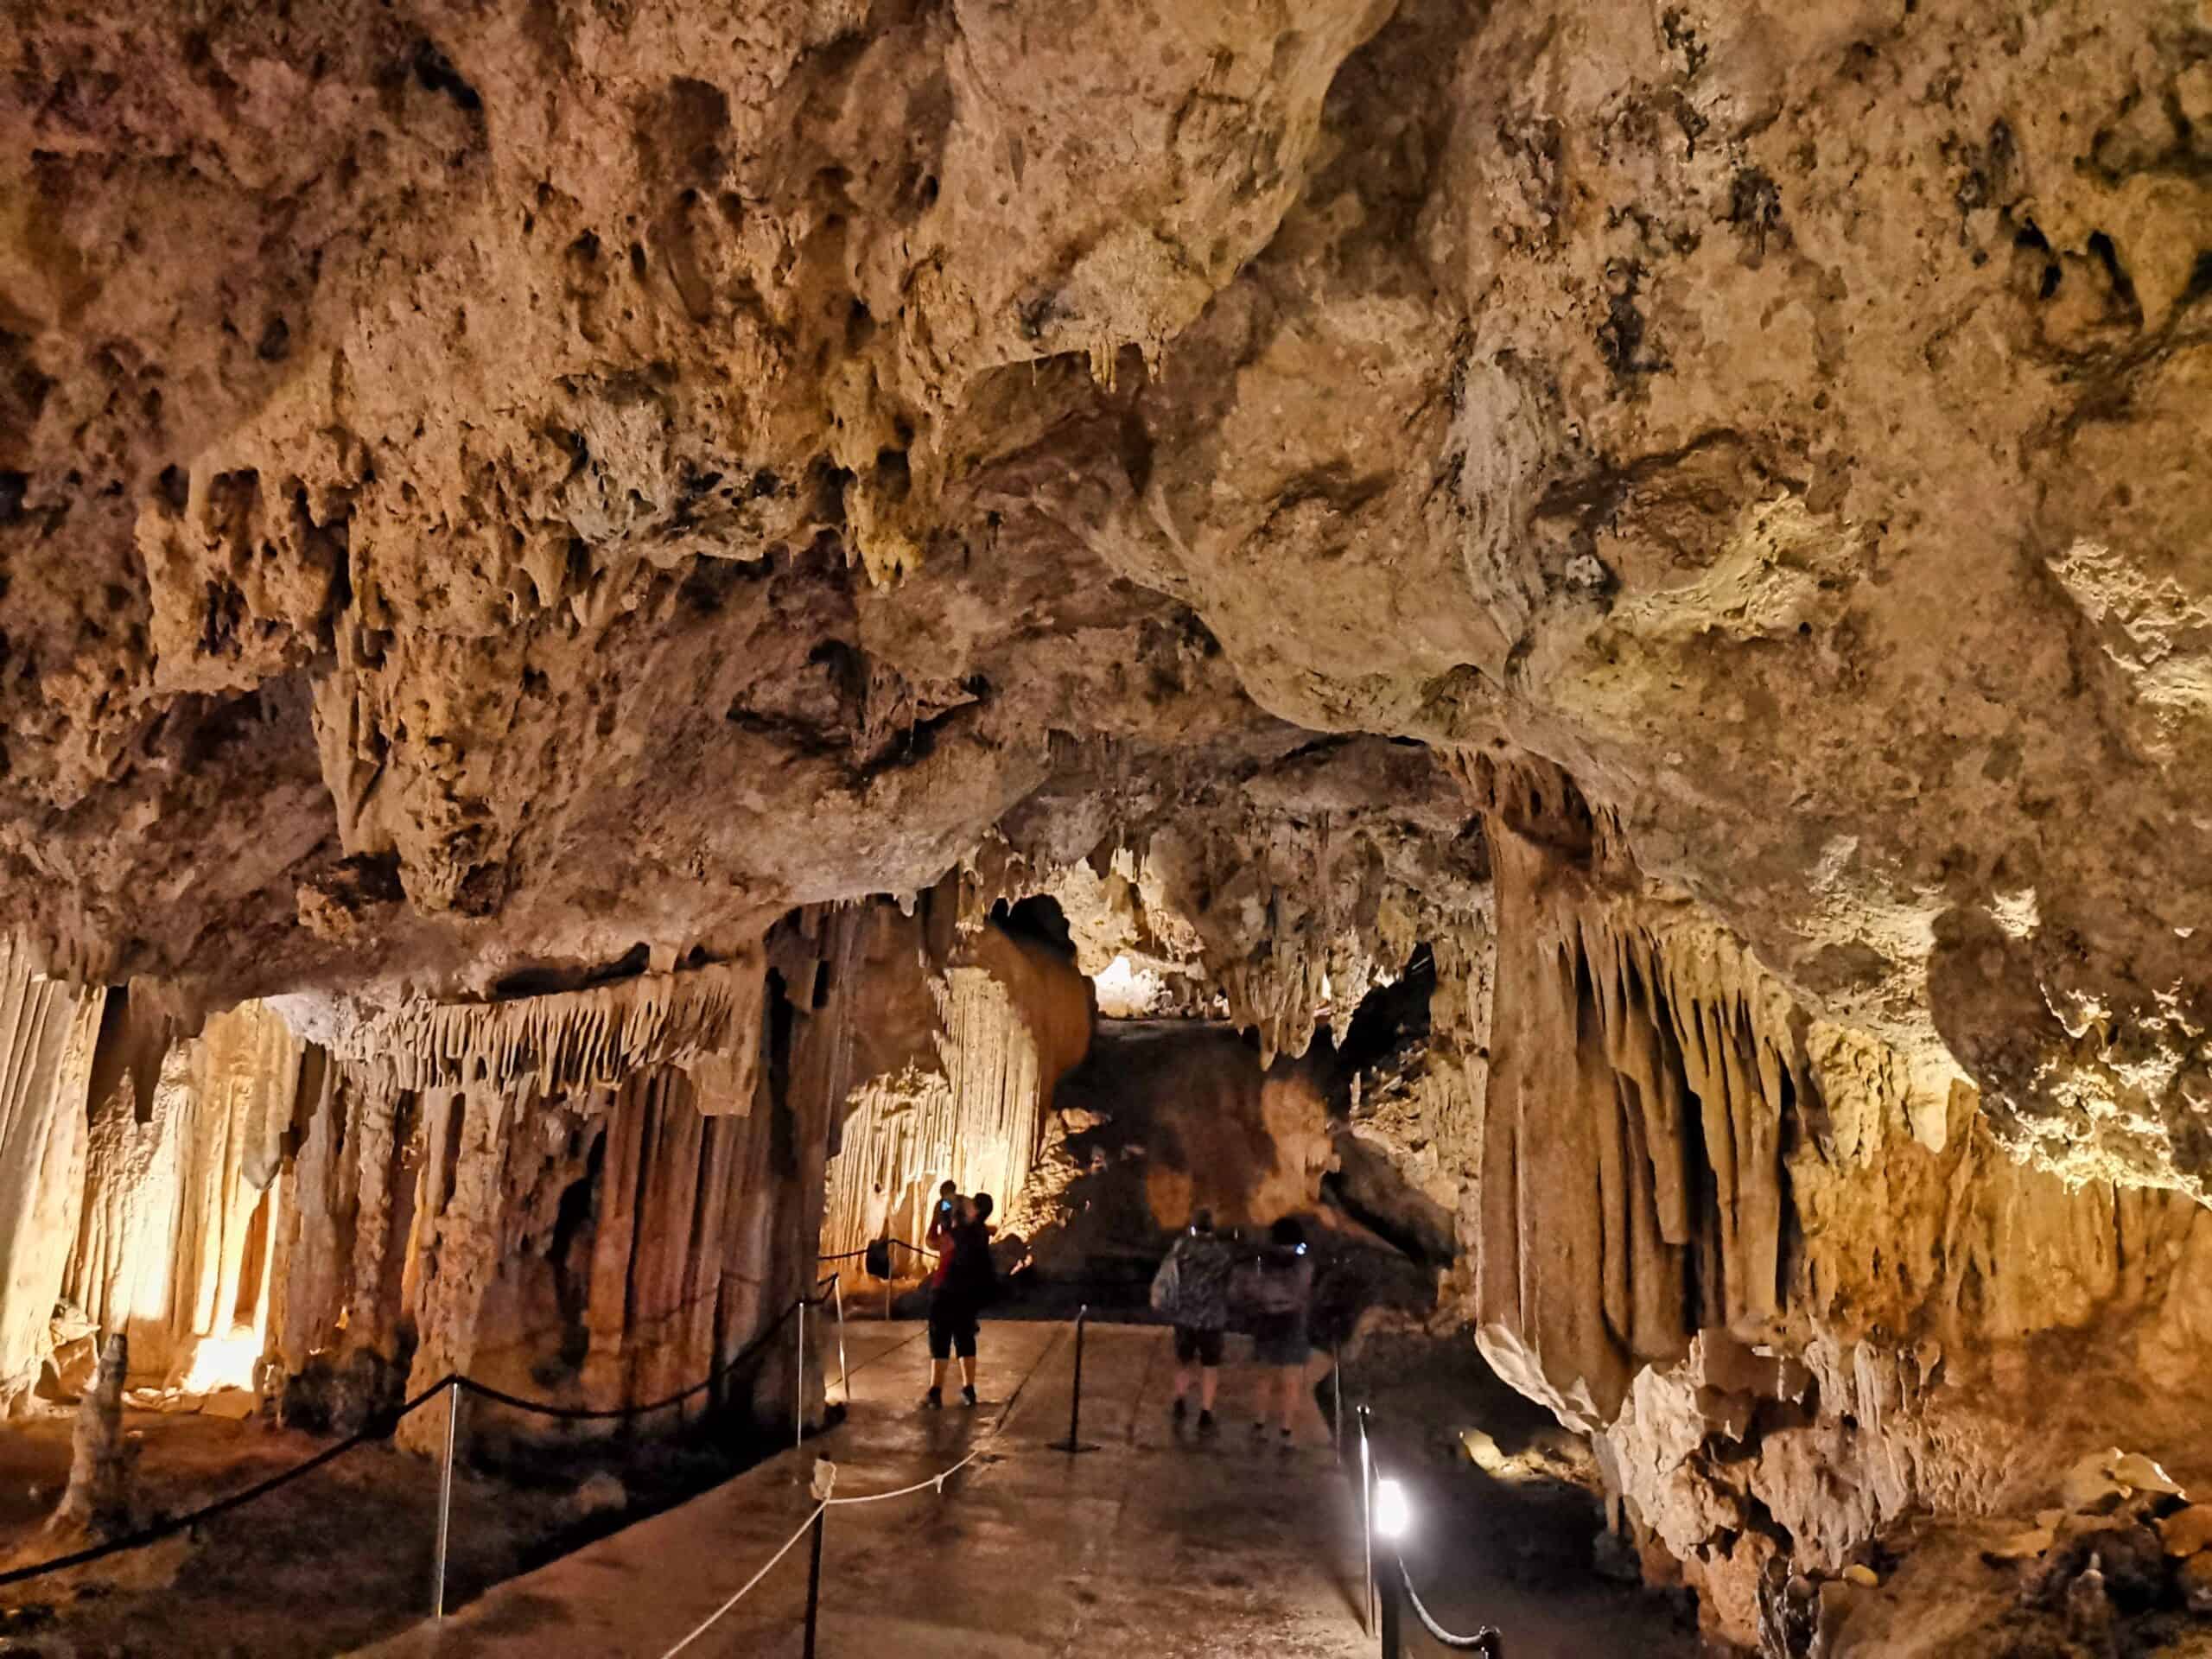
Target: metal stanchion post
x,y
798,1396
445,1500
1074,1441
1367,1516
814,1582
1075,1394
1337,1399
1393,1602
844,1371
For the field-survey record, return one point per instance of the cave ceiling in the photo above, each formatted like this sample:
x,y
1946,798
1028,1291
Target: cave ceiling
x,y
486,485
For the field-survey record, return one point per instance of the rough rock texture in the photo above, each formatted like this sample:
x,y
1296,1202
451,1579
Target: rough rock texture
x,y
1783,422
1207,1127
1716,1231
48,1032
499,505
173,1241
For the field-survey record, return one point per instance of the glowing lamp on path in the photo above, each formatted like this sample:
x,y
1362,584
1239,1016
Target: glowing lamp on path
x,y
1393,1515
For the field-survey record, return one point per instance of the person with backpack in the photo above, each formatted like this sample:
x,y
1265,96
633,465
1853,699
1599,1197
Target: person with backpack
x,y
1191,1289
967,1282
1277,1290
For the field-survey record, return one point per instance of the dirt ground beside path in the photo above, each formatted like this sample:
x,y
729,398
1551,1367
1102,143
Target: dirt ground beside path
x,y
328,1564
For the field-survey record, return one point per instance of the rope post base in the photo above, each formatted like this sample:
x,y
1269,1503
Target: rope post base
x,y
1074,1443
814,1582
445,1503
1394,1601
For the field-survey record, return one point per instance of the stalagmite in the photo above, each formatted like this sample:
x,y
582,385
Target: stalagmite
x,y
97,1498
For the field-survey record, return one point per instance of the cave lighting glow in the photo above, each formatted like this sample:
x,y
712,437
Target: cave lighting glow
x,y
221,1362
1126,989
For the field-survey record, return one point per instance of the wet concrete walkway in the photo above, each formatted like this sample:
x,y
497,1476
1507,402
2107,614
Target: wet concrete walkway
x,y
1152,1546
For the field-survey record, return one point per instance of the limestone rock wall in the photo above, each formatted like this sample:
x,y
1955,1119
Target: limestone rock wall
x,y
1730,1241
1012,1017
1209,1127
47,1033
594,1197
171,1242
1166,1117
1276,895
1421,1115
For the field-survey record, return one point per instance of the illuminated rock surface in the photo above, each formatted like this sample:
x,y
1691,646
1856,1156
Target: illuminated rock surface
x,y
562,563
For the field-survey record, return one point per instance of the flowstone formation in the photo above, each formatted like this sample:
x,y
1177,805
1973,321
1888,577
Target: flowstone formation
x,y
590,1198
525,530
1808,1332
966,1035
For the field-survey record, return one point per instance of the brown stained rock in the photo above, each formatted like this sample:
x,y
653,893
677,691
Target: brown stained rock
x,y
502,520
2187,1531
2194,1578
759,474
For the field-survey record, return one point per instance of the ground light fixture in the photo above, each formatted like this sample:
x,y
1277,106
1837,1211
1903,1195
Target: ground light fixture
x,y
1394,1513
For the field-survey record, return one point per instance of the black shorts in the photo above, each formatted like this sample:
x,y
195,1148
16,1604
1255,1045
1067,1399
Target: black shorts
x,y
952,1330
1192,1344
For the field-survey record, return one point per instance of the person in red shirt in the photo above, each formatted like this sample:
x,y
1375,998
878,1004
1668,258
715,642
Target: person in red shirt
x,y
965,1281
942,1220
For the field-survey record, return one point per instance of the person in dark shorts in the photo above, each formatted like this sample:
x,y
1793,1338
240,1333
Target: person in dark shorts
x,y
966,1281
1281,1290
1192,1288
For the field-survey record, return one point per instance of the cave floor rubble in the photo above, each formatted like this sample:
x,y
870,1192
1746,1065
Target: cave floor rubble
x,y
1150,1544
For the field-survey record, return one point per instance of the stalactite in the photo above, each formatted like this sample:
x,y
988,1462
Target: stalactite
x,y
244,1202
1639,1099
556,1043
1012,1020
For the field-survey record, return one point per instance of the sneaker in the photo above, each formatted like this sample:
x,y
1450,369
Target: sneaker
x,y
1207,1424
1181,1409
933,1401
968,1395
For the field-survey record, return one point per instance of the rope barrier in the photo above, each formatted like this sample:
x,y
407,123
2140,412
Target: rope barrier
x,y
1486,1640
936,1480
825,1481
806,1527
155,1534
855,1255
585,1414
